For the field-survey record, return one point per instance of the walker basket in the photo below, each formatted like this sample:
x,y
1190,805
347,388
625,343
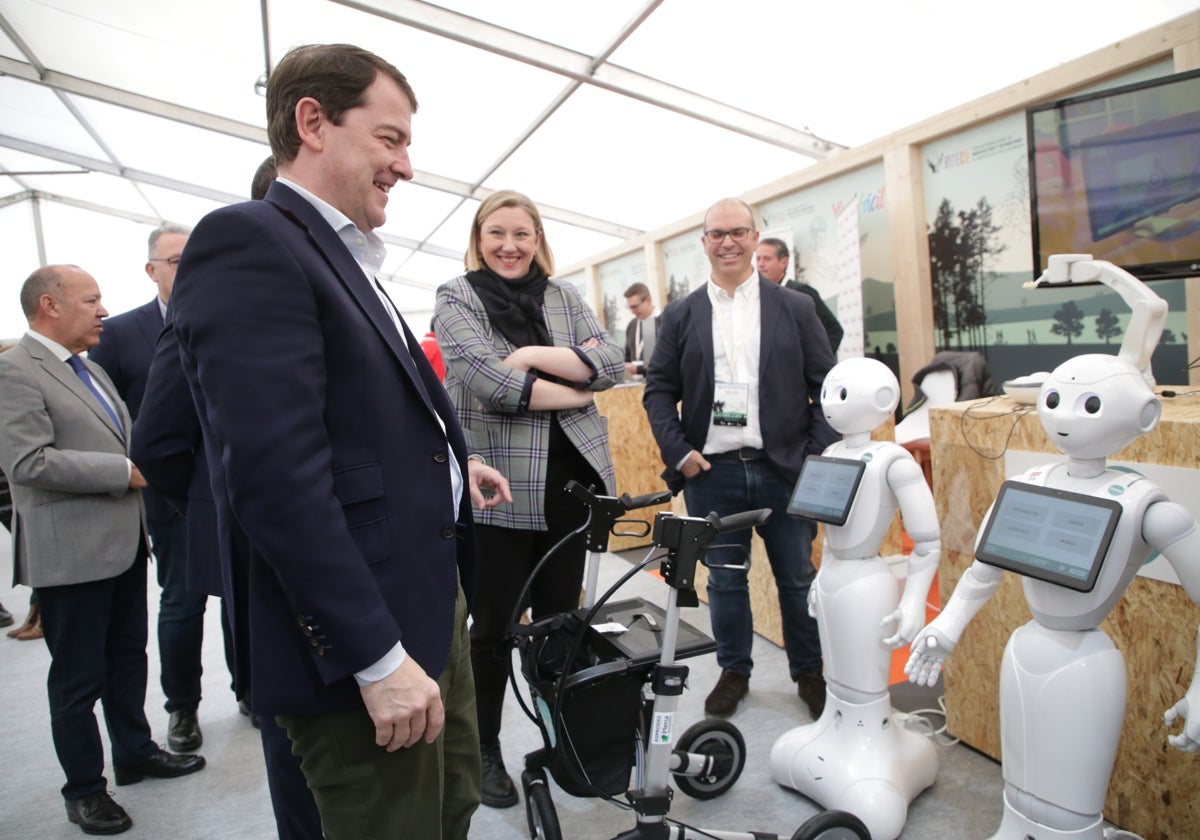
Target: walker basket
x,y
588,709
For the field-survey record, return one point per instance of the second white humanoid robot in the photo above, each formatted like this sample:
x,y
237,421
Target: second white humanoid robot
x,y
1062,682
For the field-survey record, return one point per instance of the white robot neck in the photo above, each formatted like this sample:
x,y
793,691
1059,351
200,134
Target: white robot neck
x,y
1086,467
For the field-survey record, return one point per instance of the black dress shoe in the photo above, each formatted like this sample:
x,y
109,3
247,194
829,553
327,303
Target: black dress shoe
x,y
160,765
183,731
5,617
98,814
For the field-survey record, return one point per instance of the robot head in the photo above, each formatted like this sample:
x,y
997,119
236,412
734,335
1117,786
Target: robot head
x,y
859,395
1094,405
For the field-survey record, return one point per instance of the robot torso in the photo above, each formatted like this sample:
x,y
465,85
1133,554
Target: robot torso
x,y
1060,608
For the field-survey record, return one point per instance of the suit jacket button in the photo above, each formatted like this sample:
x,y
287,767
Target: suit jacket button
x,y
440,456
447,532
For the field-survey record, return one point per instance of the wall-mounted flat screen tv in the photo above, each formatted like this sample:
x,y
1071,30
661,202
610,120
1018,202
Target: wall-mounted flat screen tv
x,y
1116,174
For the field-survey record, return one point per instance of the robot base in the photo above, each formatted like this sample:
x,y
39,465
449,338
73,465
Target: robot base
x,y
857,758
1016,826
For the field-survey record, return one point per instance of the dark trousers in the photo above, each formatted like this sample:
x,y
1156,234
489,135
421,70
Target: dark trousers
x,y
296,814
180,616
423,791
506,558
96,633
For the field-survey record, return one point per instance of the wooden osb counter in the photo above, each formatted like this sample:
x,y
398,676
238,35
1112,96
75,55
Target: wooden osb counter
x,y
1155,788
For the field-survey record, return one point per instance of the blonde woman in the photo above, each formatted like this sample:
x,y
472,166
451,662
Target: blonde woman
x,y
524,357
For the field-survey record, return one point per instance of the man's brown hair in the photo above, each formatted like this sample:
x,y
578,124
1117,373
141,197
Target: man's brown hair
x,y
336,75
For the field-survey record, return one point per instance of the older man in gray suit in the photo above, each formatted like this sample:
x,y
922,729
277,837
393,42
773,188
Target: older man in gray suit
x,y
79,539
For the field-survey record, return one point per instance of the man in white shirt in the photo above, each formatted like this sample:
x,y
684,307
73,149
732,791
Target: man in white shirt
x,y
744,359
642,332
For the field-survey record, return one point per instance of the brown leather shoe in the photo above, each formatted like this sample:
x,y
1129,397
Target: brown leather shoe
x,y
723,700
31,629
98,814
810,685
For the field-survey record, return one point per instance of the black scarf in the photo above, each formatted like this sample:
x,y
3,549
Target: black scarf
x,y
514,307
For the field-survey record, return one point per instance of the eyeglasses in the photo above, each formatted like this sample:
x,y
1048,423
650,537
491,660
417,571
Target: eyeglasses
x,y
716,235
171,261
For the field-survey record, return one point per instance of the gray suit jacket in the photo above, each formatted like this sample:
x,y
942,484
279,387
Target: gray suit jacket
x,y
75,518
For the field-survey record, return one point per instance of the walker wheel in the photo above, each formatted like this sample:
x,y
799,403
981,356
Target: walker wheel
x,y
832,825
720,740
539,807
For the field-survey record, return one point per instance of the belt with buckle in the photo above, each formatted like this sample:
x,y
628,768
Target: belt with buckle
x,y
745,453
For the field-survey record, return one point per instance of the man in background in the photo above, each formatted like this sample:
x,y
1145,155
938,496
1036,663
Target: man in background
x,y
744,359
772,258
80,542
642,331
125,352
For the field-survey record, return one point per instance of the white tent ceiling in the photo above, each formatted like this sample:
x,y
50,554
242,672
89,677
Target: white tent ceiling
x,y
615,116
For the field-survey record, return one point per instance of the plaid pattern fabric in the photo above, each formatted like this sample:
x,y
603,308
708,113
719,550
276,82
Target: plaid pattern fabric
x,y
486,395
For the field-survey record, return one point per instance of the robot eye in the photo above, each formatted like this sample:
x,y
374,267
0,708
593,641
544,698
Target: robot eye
x,y
1092,404
1052,399
843,393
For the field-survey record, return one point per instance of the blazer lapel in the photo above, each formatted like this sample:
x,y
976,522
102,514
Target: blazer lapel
x,y
150,321
351,275
63,373
702,321
771,302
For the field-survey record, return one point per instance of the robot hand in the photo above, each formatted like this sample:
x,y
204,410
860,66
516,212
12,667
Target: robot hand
x,y
907,622
1187,710
929,651
812,600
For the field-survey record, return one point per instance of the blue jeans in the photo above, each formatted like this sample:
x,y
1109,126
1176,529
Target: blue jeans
x,y
733,486
180,616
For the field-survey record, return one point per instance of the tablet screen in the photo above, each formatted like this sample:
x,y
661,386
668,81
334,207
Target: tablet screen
x,y
1052,535
826,488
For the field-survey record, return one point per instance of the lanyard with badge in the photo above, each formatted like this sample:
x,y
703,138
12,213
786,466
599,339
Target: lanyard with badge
x,y
731,400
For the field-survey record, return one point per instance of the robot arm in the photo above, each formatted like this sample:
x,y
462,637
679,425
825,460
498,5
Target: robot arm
x,y
933,644
1149,310
1170,528
1187,710
920,521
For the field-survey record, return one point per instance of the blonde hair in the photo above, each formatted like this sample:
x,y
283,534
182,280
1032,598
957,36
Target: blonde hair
x,y
544,257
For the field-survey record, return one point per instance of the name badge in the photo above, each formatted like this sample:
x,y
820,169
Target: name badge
x,y
731,403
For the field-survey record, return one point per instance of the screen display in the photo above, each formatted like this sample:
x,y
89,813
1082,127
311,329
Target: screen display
x,y
1052,535
826,488
1116,174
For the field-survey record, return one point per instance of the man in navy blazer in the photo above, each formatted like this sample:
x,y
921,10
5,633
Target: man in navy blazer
x,y
339,471
125,351
168,447
745,358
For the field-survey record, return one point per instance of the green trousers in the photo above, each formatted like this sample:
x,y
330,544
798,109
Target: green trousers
x,y
423,792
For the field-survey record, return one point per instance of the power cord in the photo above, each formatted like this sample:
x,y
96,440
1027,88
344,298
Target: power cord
x,y
917,721
1017,414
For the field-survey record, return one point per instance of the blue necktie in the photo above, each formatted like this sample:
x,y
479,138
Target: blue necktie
x,y
77,365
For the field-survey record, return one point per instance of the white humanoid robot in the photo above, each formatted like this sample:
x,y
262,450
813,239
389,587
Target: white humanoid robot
x,y
1062,682
857,757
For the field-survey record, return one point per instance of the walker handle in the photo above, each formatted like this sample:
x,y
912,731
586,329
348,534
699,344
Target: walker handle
x,y
645,500
737,521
